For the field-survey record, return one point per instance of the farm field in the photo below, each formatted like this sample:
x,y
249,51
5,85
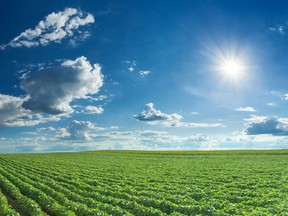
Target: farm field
x,y
145,183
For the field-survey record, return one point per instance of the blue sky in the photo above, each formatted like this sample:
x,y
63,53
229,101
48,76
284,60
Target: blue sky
x,y
82,75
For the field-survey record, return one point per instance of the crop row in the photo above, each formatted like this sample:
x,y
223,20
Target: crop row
x,y
163,204
127,201
145,185
156,190
136,204
89,197
29,206
5,208
52,201
58,192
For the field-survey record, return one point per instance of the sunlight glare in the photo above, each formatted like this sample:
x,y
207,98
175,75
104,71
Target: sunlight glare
x,y
231,64
232,68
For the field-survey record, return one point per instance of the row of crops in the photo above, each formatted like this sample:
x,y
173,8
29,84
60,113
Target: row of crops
x,y
144,183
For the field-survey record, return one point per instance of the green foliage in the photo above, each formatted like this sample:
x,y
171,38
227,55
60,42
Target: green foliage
x,y
29,206
146,183
5,208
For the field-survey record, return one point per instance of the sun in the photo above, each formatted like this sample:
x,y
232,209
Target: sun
x,y
232,68
230,65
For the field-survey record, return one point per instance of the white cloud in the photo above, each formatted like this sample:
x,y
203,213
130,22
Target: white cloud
x,y
131,69
144,73
12,114
30,133
266,125
99,98
138,139
246,109
132,65
279,94
79,130
46,129
63,133
50,90
272,104
38,119
194,113
54,28
11,110
151,133
94,110
74,41
279,28
193,124
149,139
198,138
151,114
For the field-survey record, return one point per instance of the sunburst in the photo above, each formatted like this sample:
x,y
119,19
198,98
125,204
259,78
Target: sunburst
x,y
232,68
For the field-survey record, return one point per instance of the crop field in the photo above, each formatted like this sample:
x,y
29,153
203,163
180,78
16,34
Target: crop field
x,y
145,183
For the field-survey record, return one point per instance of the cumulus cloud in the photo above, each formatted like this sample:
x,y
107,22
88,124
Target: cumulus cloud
x,y
76,130
246,109
266,125
94,110
50,90
154,116
151,114
12,114
11,110
198,138
56,27
63,133
79,130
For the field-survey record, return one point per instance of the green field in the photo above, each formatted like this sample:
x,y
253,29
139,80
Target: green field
x,y
145,183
